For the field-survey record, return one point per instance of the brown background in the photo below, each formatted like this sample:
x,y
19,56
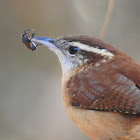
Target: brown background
x,y
31,106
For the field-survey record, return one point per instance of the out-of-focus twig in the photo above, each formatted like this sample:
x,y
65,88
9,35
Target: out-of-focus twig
x,y
108,14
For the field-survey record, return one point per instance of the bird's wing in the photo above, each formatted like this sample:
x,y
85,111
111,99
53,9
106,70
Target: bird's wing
x,y
105,91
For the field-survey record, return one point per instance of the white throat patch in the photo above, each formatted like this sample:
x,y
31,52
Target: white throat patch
x,y
102,52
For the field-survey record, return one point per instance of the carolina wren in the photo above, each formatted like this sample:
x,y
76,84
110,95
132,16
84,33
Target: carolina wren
x,y
101,87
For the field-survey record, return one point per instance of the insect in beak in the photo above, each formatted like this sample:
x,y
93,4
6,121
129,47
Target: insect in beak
x,y
28,41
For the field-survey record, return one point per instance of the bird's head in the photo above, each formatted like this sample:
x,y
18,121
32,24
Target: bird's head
x,y
76,51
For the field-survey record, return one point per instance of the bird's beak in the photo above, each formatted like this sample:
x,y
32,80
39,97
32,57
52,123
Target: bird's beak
x,y
49,42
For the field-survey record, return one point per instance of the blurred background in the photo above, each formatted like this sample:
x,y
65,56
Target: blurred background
x,y
31,105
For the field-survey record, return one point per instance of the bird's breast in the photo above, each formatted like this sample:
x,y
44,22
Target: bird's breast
x,y
97,125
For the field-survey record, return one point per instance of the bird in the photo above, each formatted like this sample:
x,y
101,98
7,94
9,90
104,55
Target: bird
x,y
100,86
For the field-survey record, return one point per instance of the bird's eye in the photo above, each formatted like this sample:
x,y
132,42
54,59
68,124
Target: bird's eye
x,y
73,50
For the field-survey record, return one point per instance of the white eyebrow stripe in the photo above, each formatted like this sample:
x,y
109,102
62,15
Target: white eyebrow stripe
x,y
88,48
